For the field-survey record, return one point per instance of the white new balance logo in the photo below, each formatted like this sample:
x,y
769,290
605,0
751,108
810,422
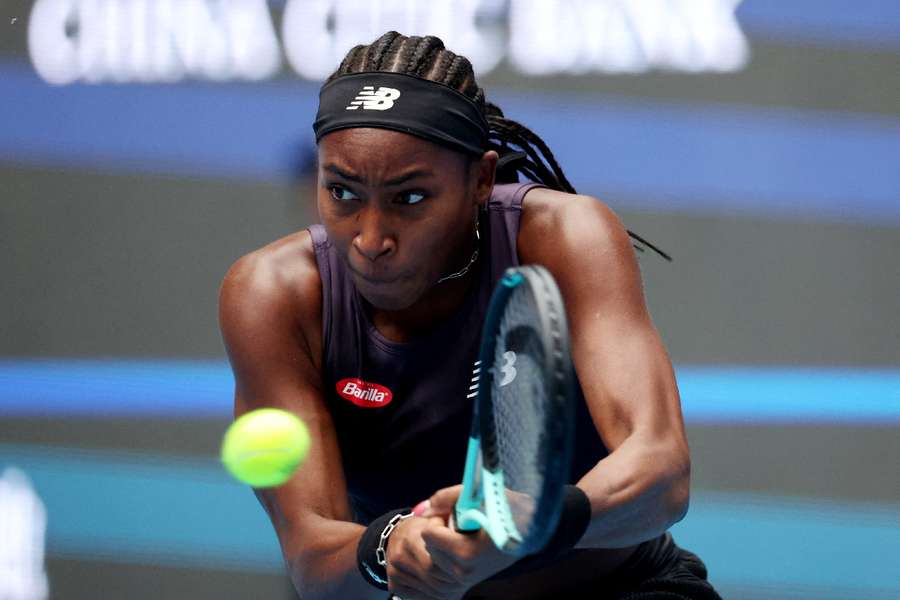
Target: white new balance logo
x,y
371,99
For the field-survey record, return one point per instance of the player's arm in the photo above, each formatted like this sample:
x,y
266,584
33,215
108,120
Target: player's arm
x,y
270,316
642,487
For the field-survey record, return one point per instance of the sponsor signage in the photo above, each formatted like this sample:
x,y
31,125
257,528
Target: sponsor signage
x,y
221,40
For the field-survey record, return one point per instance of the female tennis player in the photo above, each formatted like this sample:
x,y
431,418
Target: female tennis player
x,y
367,327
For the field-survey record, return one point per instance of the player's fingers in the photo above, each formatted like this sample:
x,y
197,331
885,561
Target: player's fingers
x,y
417,558
440,537
453,558
456,552
415,563
449,563
442,502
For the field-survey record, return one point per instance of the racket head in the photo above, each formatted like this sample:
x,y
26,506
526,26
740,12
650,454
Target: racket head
x,y
525,407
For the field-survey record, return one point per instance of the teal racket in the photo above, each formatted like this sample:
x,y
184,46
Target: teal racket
x,y
520,445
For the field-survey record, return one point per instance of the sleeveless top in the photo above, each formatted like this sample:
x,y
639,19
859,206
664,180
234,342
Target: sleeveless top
x,y
402,411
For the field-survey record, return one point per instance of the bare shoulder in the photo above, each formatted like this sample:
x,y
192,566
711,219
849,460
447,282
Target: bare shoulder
x,y
274,289
285,265
565,226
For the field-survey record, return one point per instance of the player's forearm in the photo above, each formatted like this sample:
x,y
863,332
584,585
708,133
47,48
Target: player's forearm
x,y
637,492
323,565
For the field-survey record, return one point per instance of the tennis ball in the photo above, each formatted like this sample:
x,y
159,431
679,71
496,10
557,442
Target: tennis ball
x,y
264,447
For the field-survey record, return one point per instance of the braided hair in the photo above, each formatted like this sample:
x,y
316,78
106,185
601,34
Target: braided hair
x,y
521,150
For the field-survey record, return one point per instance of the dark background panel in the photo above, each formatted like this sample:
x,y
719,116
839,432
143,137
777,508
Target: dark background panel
x,y
118,265
820,78
127,266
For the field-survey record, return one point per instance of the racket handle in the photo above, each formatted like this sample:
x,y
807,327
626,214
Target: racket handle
x,y
467,520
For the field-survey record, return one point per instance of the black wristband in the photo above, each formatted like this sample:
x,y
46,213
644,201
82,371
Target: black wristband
x,y
366,561
573,522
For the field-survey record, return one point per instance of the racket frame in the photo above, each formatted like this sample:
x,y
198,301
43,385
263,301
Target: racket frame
x,y
482,503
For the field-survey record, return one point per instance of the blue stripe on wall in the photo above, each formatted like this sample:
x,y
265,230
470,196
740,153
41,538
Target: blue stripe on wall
x,y
671,157
825,548
145,508
861,23
192,129
173,511
116,388
710,394
722,159
738,394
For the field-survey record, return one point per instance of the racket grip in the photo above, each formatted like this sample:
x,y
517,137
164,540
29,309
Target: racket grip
x,y
467,520
453,523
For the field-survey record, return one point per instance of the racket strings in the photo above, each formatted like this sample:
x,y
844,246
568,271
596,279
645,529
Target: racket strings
x,y
519,415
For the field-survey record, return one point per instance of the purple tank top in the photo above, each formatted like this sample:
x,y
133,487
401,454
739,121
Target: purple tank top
x,y
402,411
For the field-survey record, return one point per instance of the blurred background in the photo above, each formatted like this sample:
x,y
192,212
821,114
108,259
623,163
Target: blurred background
x,y
145,145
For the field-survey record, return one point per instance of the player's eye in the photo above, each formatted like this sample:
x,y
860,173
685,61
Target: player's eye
x,y
411,197
341,194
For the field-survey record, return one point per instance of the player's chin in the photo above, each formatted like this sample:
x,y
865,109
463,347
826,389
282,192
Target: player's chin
x,y
393,295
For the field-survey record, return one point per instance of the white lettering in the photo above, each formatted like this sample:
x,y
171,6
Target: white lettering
x,y
23,521
152,40
309,44
255,52
167,40
53,53
578,36
318,33
371,394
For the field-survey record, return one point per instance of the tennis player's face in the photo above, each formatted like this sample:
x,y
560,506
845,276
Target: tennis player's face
x,y
400,211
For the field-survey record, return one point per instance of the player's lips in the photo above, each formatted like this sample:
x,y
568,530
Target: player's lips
x,y
373,278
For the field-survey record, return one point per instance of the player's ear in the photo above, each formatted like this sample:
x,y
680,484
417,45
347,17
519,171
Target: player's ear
x,y
483,172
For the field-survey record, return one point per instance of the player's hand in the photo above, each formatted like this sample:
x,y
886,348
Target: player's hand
x,y
412,574
468,558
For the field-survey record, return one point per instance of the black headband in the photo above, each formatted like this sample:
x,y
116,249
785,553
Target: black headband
x,y
405,103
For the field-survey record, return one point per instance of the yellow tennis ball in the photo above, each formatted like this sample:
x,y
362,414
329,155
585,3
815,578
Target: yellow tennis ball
x,y
264,447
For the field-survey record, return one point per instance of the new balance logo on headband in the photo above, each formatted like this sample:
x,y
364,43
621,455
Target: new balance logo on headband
x,y
371,99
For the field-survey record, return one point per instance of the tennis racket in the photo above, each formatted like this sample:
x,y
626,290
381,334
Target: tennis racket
x,y
520,445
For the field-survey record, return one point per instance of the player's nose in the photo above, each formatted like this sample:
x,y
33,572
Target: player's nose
x,y
372,239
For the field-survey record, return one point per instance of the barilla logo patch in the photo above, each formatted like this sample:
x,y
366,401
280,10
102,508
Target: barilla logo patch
x,y
371,99
364,394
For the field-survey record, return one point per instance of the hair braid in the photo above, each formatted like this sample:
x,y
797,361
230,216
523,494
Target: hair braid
x,y
428,61
456,73
348,65
533,145
425,53
439,66
383,49
378,51
405,55
426,57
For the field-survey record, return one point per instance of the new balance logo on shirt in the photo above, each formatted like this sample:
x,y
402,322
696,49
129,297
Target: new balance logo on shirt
x,y
371,99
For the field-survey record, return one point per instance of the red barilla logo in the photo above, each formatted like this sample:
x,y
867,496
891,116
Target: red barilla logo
x,y
362,393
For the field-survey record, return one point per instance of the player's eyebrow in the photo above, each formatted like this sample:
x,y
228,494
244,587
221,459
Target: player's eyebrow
x,y
332,168
414,174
